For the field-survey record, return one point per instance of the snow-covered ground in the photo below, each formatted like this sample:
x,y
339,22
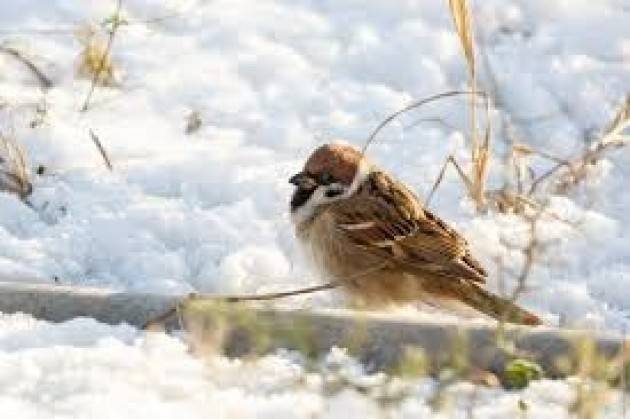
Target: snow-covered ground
x,y
83,369
270,80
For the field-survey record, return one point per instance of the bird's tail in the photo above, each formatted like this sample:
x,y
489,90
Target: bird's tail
x,y
497,307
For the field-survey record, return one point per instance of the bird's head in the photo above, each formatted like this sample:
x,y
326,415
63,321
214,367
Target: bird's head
x,y
332,172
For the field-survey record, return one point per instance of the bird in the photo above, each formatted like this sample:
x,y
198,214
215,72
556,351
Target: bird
x,y
373,236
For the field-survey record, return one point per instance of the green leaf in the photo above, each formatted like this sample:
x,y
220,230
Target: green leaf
x,y
519,372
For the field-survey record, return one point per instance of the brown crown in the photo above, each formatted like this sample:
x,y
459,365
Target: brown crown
x,y
340,161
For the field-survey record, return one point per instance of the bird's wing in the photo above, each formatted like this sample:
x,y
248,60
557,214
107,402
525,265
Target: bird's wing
x,y
387,219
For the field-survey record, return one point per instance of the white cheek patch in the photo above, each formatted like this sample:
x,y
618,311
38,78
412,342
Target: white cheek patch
x,y
306,211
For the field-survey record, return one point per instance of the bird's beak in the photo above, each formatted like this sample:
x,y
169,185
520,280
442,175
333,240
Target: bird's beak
x,y
302,180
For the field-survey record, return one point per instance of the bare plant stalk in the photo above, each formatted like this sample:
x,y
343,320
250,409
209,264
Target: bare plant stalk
x,y
14,176
433,119
236,299
449,160
460,13
101,150
272,295
256,297
530,253
577,167
44,81
415,105
540,179
116,22
480,149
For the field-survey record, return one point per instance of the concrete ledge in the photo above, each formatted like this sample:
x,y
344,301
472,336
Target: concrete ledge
x,y
57,303
378,340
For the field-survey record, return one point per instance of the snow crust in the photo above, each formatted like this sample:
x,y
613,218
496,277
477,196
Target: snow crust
x,y
83,369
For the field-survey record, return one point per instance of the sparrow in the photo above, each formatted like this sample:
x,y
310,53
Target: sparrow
x,y
372,235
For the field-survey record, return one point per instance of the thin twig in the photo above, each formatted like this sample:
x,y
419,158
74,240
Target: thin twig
x,y
435,120
236,299
540,179
14,177
43,80
530,255
415,105
559,164
116,22
271,295
577,167
101,150
530,252
450,159
257,297
158,19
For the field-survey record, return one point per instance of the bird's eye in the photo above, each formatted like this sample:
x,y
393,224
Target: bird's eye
x,y
331,193
325,178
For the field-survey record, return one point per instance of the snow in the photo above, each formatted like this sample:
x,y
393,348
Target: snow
x,y
271,80
83,369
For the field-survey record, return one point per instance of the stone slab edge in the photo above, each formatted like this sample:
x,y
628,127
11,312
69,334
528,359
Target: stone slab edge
x,y
379,340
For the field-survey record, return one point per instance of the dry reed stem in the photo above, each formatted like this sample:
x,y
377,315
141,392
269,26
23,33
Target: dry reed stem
x,y
162,318
101,150
116,22
577,168
449,160
14,175
44,81
415,105
460,13
256,297
480,148
612,137
95,60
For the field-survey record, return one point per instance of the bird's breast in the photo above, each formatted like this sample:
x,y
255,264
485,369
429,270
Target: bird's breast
x,y
333,253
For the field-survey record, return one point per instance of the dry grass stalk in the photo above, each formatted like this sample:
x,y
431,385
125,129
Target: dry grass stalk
x,y
566,174
532,215
193,122
101,150
415,105
44,81
95,62
460,13
95,59
480,147
160,320
530,252
475,181
14,174
613,137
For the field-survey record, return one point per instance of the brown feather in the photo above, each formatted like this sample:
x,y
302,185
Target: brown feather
x,y
396,226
